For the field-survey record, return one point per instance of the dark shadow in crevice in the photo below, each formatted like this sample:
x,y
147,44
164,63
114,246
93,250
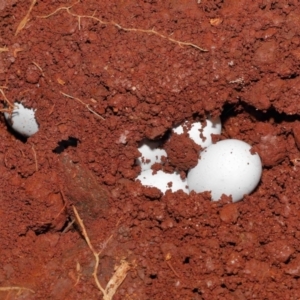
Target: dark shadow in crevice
x,y
64,144
196,291
17,135
289,77
231,110
186,260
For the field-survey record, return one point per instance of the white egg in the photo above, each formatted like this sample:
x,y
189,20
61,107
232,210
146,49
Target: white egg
x,y
213,126
162,181
151,154
227,167
22,120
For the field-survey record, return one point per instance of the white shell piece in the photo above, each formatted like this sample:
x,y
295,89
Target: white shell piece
x,y
22,120
213,126
227,167
151,154
161,181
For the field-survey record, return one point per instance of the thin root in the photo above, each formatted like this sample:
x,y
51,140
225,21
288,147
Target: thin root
x,y
15,288
78,269
25,20
120,273
167,259
41,70
4,49
128,29
88,241
35,158
11,106
85,104
70,224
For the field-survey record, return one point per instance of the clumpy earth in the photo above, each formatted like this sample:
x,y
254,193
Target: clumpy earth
x,y
104,75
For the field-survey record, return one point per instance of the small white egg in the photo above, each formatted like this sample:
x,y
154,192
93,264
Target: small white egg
x,y
213,126
151,154
227,167
22,120
162,180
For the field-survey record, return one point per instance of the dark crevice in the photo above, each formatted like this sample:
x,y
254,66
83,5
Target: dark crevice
x,y
64,144
196,291
42,229
186,260
291,76
288,261
231,110
66,225
17,135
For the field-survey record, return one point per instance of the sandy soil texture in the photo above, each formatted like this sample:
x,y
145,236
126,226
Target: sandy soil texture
x,y
104,75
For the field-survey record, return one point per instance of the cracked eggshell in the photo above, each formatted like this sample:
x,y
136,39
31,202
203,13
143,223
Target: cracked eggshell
x,y
213,126
151,154
162,180
22,120
227,167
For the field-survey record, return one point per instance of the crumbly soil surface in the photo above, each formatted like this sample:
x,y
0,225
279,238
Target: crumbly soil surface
x,y
104,75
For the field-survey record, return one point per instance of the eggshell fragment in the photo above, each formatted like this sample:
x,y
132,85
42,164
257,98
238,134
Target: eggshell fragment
x,y
163,181
227,167
151,154
199,134
22,120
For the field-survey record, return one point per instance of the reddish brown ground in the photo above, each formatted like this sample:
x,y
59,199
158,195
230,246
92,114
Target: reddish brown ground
x,y
125,61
